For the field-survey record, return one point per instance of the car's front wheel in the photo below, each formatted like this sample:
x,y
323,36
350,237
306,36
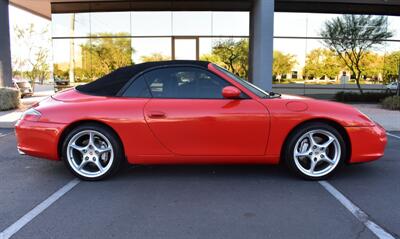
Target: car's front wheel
x,y
315,151
92,152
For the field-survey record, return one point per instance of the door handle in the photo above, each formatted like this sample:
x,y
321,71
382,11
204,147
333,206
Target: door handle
x,y
156,114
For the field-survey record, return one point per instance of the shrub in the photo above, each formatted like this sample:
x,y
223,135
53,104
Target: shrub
x,y
391,103
9,98
367,97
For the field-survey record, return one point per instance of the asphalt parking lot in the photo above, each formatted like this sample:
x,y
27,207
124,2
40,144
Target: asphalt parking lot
x,y
195,201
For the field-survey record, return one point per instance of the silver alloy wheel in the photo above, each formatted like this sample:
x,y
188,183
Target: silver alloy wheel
x,y
317,153
90,153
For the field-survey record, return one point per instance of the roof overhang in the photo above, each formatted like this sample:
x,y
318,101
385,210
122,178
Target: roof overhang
x,y
44,8
41,8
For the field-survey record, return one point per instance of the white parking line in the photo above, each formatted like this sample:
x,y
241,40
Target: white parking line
x,y
393,135
4,135
16,226
357,212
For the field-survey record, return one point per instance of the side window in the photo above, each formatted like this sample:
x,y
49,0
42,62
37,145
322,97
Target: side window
x,y
185,83
138,89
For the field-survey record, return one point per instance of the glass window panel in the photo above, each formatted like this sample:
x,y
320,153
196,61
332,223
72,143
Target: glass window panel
x,y
219,51
315,23
71,24
321,66
394,25
77,60
61,56
151,23
110,23
290,24
230,23
82,60
185,49
205,48
391,62
288,50
151,49
191,23
108,54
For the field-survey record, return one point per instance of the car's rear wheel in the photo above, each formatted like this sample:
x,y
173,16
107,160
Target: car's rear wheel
x,y
92,152
315,151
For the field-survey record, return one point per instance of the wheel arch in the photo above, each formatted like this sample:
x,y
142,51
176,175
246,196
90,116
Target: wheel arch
x,y
340,128
75,124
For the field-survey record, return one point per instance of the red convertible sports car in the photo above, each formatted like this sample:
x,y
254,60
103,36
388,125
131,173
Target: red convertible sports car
x,y
193,112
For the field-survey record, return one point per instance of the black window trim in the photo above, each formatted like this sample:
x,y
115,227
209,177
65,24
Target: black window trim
x,y
122,91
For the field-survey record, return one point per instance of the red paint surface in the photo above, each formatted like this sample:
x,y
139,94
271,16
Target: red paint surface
x,y
168,131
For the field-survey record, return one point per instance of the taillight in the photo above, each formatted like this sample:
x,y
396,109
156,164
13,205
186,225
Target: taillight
x,y
31,115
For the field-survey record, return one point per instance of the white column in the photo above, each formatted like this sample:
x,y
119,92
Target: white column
x,y
261,43
5,51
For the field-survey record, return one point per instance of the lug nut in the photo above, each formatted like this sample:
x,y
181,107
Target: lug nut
x,y
86,158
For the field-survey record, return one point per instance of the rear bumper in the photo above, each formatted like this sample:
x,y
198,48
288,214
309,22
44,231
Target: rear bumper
x,y
367,143
38,139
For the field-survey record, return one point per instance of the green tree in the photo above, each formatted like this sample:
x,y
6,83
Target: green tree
x,y
232,54
371,65
33,64
391,66
103,55
352,36
321,62
155,57
282,63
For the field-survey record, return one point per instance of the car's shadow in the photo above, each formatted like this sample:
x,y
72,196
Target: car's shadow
x,y
214,172
237,172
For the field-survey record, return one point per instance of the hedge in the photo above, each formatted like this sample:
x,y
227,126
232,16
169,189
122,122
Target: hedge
x,y
367,97
9,98
391,103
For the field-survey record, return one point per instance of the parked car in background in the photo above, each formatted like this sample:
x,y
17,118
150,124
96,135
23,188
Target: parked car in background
x,y
24,87
60,84
392,86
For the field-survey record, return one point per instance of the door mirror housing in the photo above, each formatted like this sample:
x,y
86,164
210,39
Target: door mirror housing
x,y
231,92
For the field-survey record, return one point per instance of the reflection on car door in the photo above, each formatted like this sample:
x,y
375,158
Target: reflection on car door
x,y
190,117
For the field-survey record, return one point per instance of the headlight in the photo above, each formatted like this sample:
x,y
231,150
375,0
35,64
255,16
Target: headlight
x,y
31,115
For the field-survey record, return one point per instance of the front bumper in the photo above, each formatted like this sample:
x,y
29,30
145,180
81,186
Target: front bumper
x,y
367,143
38,139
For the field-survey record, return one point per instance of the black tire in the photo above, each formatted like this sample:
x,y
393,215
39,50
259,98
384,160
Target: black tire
x,y
288,154
110,135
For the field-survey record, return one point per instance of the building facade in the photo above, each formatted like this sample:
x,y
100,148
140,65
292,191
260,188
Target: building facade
x,y
91,38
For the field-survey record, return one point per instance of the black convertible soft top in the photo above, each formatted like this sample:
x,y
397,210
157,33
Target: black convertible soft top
x,y
111,84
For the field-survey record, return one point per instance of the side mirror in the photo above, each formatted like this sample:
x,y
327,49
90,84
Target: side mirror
x,y
231,92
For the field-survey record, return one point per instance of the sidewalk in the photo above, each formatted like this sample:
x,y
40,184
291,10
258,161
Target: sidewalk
x,y
9,118
389,119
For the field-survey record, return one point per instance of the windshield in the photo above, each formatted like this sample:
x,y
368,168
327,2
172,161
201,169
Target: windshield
x,y
254,89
